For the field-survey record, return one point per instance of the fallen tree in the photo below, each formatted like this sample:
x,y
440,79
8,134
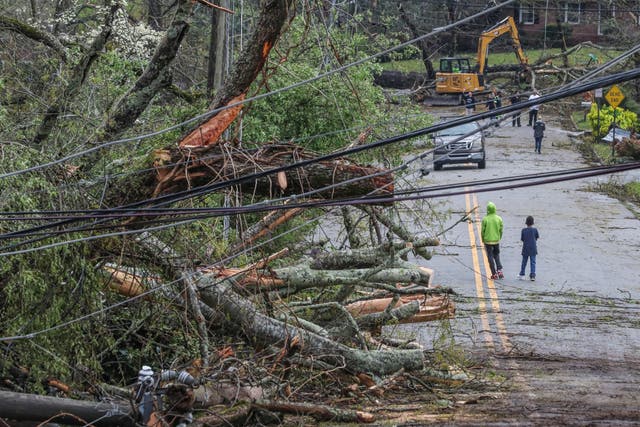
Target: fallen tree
x,y
286,319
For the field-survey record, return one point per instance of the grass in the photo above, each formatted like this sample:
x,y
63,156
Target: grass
x,y
578,58
578,119
603,151
629,192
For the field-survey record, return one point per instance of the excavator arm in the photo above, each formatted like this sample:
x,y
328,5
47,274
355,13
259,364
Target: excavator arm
x,y
507,25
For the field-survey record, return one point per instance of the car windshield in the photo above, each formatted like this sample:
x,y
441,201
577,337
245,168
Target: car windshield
x,y
458,130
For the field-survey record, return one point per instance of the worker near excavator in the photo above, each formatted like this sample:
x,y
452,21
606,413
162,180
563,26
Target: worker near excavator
x,y
469,103
515,117
533,110
492,103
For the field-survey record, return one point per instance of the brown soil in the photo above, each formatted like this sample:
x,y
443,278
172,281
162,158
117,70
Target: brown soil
x,y
526,390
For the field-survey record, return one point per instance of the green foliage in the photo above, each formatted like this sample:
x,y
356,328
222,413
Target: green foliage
x,y
333,111
600,119
323,115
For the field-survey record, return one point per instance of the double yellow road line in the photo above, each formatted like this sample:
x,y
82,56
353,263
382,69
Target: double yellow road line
x,y
483,281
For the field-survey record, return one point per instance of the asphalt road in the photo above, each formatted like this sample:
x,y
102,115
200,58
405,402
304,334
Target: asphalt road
x,y
568,344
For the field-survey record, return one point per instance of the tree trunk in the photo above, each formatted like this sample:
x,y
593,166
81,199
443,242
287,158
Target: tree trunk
x,y
400,80
196,167
318,412
250,62
31,407
267,331
76,80
425,50
154,78
33,33
154,17
221,47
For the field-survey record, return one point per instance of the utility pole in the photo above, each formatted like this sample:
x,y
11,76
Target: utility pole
x,y
216,67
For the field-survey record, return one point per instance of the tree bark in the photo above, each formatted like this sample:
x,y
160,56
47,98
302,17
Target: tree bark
x,y
361,258
182,169
31,407
425,50
400,80
220,47
272,18
154,78
154,17
318,412
266,330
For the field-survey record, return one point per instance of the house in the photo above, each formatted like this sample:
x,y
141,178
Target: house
x,y
543,23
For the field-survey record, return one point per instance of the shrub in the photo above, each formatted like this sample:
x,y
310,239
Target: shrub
x,y
629,147
600,123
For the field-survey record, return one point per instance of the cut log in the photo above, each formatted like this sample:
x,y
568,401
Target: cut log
x,y
400,80
429,308
31,407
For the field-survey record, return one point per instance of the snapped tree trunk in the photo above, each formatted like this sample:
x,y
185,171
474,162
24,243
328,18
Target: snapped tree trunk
x,y
272,18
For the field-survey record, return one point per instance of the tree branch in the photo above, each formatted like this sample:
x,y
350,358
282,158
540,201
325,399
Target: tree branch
x,y
33,33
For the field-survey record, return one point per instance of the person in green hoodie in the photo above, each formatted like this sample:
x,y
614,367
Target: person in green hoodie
x,y
491,235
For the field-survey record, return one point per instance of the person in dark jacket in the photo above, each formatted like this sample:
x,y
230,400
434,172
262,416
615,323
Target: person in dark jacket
x,y
538,133
515,117
491,234
529,237
491,105
469,103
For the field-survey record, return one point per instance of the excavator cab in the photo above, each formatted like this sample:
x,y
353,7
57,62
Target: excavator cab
x,y
455,65
456,76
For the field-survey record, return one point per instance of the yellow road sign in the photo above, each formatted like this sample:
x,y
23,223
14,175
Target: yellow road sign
x,y
615,96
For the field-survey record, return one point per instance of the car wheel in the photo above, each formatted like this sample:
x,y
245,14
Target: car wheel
x,y
437,166
481,164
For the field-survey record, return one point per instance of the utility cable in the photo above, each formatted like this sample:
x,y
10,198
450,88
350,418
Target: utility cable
x,y
327,203
207,189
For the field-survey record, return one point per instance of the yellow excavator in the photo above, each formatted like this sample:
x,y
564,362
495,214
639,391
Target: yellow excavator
x,y
456,75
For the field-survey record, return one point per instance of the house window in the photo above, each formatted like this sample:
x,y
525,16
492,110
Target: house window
x,y
527,15
572,13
